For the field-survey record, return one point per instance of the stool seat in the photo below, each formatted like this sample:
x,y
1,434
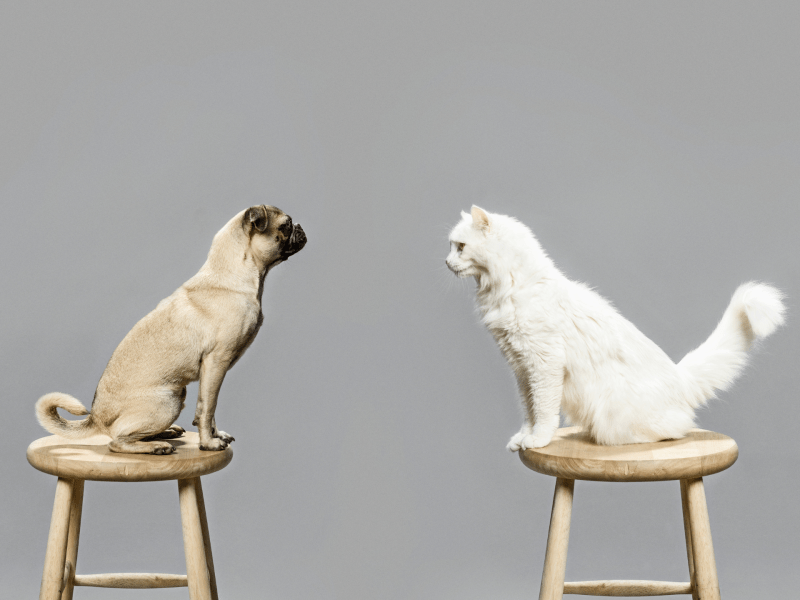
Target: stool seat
x,y
90,458
573,455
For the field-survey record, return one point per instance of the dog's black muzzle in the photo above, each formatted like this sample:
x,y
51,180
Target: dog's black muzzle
x,y
295,242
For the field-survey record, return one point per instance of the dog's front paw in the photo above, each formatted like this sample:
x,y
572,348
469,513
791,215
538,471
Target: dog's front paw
x,y
214,444
535,440
225,437
515,441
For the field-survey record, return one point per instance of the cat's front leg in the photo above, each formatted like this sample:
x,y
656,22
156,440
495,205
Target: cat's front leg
x,y
547,389
524,385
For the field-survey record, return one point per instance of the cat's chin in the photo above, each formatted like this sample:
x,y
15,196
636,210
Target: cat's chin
x,y
460,273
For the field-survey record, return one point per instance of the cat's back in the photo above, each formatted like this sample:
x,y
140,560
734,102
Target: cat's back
x,y
598,330
590,319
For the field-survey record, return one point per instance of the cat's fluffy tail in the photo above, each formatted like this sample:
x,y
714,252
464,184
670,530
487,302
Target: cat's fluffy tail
x,y
49,418
755,311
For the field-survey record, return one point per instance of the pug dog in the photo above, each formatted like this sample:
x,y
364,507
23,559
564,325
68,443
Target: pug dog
x,y
199,332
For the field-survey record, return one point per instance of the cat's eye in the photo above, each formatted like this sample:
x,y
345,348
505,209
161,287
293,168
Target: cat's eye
x,y
459,246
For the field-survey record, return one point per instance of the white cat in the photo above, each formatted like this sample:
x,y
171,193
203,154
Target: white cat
x,y
571,350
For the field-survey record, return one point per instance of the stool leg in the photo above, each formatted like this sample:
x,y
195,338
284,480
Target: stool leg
x,y
201,507
555,559
76,507
687,530
196,565
706,585
56,553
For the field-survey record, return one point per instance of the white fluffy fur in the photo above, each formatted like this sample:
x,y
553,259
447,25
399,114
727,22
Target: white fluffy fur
x,y
571,350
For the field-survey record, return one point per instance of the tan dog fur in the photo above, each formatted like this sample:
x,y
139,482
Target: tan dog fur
x,y
199,332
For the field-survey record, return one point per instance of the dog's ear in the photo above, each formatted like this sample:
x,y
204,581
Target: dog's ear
x,y
256,217
480,220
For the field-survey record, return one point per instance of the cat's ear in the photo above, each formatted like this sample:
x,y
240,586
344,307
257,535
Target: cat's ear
x,y
464,215
480,220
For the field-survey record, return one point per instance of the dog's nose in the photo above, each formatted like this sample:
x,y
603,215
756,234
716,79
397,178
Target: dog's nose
x,y
299,238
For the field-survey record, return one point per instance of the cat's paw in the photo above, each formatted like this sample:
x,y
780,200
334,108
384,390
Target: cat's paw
x,y
533,440
513,444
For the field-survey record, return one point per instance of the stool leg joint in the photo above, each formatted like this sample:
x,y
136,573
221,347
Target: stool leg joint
x,y
69,571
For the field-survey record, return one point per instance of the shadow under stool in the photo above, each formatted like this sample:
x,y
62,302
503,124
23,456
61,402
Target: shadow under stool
x,y
74,461
572,455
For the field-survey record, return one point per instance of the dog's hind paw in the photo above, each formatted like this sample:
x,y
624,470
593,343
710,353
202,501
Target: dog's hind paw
x,y
162,448
170,433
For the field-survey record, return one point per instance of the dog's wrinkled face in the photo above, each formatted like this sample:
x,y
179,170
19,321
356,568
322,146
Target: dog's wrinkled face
x,y
273,236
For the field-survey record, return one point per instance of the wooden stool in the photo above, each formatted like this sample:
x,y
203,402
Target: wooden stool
x,y
572,455
74,461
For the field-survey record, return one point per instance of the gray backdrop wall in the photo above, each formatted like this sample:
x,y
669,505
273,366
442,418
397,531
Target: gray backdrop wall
x,y
652,147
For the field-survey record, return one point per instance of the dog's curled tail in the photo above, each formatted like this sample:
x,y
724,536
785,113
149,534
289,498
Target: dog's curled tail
x,y
755,311
49,418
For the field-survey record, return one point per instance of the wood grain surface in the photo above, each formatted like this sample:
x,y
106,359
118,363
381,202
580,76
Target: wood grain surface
x,y
705,566
573,455
91,459
629,588
137,581
56,553
555,560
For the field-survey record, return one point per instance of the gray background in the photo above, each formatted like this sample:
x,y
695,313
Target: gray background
x,y
652,147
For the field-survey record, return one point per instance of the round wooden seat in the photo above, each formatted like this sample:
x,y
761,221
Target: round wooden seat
x,y
572,455
90,458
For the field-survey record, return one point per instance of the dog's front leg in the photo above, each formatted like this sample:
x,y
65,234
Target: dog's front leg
x,y
212,372
225,437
